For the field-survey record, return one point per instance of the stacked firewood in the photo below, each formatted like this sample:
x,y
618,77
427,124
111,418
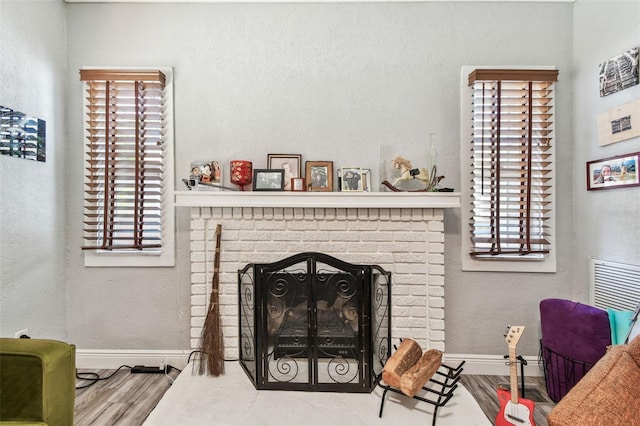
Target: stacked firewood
x,y
408,369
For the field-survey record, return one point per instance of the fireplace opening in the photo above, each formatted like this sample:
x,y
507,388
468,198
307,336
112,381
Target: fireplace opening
x,y
314,322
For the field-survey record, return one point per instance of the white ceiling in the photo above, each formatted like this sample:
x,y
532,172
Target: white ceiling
x,y
296,1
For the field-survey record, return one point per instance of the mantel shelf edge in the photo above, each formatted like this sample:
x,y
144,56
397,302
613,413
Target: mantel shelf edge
x,y
422,200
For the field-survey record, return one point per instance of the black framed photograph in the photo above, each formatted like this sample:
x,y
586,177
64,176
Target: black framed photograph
x,y
319,175
268,180
290,163
613,172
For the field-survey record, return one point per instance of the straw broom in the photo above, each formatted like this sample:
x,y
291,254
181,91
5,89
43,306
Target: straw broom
x,y
211,342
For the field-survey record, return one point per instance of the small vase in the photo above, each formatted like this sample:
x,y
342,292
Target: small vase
x,y
241,173
382,168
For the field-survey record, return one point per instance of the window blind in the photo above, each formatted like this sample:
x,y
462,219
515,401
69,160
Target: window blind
x,y
125,150
512,136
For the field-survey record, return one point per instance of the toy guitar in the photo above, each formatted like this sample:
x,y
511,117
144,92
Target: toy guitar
x,y
514,410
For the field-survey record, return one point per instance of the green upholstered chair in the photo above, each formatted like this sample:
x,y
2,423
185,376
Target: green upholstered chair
x,y
37,382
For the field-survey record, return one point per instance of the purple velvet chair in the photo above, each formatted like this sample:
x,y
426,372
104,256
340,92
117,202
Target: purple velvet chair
x,y
574,337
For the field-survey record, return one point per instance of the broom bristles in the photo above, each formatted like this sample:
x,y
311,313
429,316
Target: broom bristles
x,y
212,343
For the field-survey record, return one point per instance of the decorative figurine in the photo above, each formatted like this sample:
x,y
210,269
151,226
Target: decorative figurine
x,y
407,172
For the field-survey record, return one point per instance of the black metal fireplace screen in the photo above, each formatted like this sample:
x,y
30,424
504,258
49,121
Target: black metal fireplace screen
x,y
315,323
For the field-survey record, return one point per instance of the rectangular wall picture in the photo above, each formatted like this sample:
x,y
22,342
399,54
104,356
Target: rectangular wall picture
x,y
22,136
619,73
613,172
619,124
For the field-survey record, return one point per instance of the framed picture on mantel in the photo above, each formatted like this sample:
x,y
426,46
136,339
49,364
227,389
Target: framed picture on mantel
x,y
290,163
319,175
268,179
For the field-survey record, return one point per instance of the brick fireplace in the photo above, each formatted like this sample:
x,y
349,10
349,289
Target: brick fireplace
x,y
407,240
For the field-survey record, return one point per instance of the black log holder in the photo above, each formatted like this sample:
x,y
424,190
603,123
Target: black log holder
x,y
438,395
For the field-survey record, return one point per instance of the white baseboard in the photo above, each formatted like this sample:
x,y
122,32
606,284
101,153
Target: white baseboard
x,y
112,359
493,365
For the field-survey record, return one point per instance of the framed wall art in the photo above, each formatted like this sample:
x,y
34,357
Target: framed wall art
x,y
619,124
619,73
290,163
613,172
319,175
268,180
22,136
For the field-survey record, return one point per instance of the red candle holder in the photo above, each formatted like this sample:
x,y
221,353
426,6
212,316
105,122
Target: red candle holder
x,y
241,173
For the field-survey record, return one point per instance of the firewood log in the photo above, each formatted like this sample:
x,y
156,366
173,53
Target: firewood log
x,y
408,353
415,378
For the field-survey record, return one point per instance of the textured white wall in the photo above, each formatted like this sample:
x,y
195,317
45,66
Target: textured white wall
x,y
33,292
331,82
606,222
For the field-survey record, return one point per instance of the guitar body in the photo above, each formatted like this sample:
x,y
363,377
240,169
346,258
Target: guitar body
x,y
511,414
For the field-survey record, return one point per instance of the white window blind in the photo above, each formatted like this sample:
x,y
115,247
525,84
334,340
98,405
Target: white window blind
x,y
511,177
126,126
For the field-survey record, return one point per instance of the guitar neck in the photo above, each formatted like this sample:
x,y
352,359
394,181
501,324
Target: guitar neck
x,y
513,373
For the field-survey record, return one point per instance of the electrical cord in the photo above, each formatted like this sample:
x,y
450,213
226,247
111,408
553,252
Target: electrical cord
x,y
193,353
95,377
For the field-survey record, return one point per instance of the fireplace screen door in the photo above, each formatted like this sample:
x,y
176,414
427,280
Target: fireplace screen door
x,y
314,322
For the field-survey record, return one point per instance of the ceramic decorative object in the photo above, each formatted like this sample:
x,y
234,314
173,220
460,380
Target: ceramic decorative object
x,y
241,173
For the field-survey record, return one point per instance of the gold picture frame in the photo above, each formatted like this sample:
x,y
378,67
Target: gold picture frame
x,y
319,175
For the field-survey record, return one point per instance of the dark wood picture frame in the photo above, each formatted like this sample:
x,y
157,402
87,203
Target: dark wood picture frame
x,y
268,180
620,171
319,175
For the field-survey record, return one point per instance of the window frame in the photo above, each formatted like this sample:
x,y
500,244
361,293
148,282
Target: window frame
x,y
547,264
165,257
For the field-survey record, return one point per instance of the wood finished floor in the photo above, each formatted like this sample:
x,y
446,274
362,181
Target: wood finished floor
x,y
127,399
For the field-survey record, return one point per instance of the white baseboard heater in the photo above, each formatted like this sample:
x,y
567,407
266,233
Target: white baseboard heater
x,y
614,285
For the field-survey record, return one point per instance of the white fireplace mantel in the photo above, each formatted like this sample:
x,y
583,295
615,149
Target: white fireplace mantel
x,y
403,231
420,200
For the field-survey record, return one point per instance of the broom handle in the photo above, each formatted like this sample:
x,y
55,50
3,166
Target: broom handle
x,y
216,266
215,359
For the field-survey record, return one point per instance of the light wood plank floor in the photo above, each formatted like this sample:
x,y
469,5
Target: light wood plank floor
x,y
127,399
483,389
